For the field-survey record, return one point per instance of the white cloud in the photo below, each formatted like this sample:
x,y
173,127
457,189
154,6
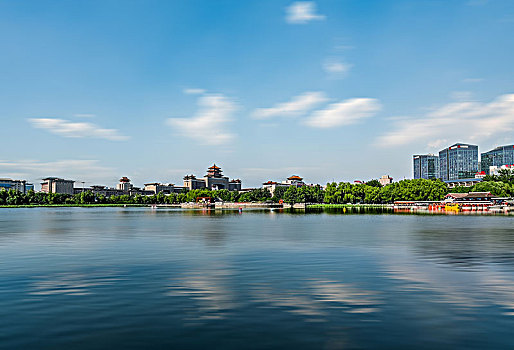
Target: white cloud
x,y
192,91
472,80
461,95
75,169
68,128
459,121
301,12
439,143
298,105
209,124
336,68
343,113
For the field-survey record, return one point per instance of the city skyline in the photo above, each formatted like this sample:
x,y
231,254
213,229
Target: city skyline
x,y
426,166
267,89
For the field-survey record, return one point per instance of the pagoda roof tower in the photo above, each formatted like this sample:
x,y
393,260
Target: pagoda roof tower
x,y
214,171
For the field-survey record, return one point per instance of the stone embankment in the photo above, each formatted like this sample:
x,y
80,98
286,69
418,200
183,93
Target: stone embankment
x,y
229,205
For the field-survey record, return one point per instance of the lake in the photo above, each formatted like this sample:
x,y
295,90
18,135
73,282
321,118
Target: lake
x,y
128,278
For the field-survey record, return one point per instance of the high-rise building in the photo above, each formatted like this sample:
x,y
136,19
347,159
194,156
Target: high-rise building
x,y
426,166
502,155
459,161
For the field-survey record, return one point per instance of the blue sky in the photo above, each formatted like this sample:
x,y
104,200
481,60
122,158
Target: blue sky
x,y
330,90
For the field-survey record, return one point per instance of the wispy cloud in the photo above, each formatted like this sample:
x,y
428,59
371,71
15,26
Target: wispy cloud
x,y
68,128
464,120
472,80
75,169
192,91
301,12
299,105
336,68
209,125
344,113
84,115
461,95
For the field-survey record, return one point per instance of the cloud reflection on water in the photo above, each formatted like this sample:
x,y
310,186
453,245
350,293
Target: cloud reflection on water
x,y
69,283
464,290
317,297
209,289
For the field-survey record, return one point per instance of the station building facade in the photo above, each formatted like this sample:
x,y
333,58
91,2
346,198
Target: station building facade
x,y
213,180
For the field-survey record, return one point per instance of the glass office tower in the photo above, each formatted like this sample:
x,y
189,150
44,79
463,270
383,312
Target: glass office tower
x,y
426,166
502,155
459,161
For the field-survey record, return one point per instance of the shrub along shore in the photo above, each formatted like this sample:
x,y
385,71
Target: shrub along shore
x,y
334,193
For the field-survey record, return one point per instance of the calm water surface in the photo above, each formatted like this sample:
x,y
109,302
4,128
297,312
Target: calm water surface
x,y
121,278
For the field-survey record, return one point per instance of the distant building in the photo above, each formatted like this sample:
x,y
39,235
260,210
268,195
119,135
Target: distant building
x,y
468,197
426,166
192,183
502,155
385,180
124,185
463,182
480,175
294,180
459,161
495,170
156,188
18,185
57,185
234,185
272,186
213,180
99,190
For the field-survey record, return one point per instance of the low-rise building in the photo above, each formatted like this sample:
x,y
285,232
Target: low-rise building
x,y
385,180
480,175
57,185
99,190
294,180
272,186
495,170
124,184
468,197
192,183
462,182
156,187
17,185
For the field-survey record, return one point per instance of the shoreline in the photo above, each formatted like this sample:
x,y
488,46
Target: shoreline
x,y
225,205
